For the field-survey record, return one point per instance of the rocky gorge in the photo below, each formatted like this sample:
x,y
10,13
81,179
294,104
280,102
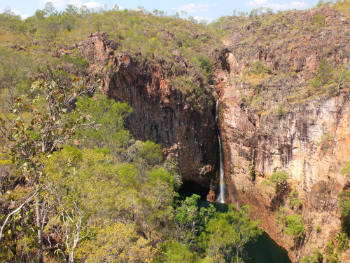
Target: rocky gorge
x,y
272,117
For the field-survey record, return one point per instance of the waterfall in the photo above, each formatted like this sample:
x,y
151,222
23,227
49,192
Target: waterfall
x,y
221,196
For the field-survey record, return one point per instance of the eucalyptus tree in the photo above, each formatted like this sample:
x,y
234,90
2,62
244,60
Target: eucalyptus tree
x,y
38,125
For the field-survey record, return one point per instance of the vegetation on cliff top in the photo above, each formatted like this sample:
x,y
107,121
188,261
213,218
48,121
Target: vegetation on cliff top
x,y
276,69
145,35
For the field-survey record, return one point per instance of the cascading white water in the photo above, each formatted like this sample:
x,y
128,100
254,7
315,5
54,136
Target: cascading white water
x,y
221,196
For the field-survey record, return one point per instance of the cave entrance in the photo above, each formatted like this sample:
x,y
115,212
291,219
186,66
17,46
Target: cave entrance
x,y
265,250
189,188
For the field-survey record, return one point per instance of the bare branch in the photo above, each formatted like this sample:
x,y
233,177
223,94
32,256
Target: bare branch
x,y
15,211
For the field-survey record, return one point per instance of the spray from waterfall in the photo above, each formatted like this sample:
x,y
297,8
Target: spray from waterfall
x,y
221,196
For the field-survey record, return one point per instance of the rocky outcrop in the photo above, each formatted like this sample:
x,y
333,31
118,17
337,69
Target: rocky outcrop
x,y
183,125
272,118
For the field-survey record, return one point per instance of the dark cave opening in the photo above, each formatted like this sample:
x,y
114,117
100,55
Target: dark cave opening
x,y
189,188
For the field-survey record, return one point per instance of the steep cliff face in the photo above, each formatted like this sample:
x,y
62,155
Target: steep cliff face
x,y
183,125
275,116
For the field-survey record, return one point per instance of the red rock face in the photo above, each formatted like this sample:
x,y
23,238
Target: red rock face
x,y
275,121
161,112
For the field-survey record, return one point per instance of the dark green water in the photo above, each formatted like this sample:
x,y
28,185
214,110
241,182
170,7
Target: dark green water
x,y
265,250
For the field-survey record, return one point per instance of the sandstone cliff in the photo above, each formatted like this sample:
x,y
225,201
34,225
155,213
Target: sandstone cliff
x,y
275,116
183,124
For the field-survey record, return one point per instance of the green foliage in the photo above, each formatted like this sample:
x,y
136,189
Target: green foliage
x,y
333,258
278,176
185,83
345,170
318,229
324,74
294,226
158,175
252,172
76,60
118,242
319,20
106,119
38,126
315,257
95,190
190,219
175,252
281,215
342,242
342,6
344,203
226,235
329,249
294,201
258,67
280,111
277,179
151,152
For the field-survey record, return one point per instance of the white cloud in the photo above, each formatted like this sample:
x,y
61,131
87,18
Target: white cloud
x,y
202,18
76,3
93,5
18,13
256,3
90,5
56,3
277,6
192,8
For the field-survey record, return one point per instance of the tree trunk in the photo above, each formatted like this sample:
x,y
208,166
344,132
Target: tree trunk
x,y
38,224
71,257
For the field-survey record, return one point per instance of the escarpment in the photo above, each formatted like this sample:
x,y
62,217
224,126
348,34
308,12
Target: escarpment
x,y
278,116
183,123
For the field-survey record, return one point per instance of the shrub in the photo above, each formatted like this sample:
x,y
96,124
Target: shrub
x,y
318,229
294,226
332,258
342,242
280,111
258,67
315,257
329,249
326,142
278,177
294,201
345,170
319,20
151,152
252,172
281,215
324,74
344,203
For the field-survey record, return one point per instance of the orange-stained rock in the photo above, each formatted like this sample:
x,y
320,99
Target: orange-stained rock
x,y
310,139
211,196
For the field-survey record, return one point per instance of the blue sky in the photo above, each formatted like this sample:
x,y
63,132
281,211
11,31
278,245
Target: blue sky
x,y
199,9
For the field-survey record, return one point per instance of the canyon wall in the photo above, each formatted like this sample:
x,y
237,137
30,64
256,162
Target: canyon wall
x,y
275,117
183,125
277,113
